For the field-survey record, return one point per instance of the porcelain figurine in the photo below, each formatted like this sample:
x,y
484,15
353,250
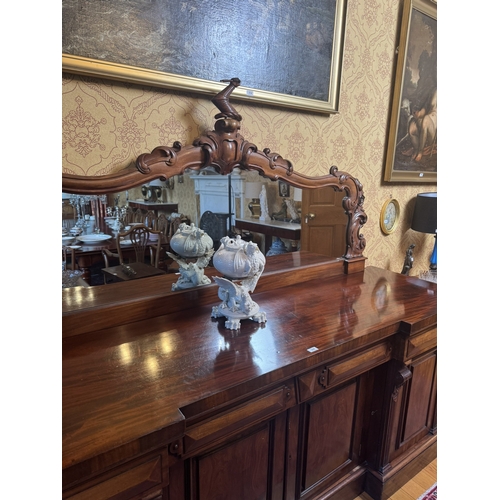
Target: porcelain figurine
x,y
264,211
294,215
238,261
191,273
277,248
191,242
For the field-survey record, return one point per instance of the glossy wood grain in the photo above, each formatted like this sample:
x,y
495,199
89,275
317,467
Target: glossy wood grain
x,y
129,388
103,306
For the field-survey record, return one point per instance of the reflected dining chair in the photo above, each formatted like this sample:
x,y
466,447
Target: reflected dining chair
x,y
150,219
137,216
175,222
71,250
162,224
143,240
129,216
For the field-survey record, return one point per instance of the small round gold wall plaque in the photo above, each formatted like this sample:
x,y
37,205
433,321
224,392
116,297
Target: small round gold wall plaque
x,y
389,216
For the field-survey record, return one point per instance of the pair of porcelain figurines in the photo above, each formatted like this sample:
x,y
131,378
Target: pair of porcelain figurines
x,y
240,262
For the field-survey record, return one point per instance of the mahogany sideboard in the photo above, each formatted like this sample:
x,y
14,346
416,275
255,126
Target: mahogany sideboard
x,y
334,395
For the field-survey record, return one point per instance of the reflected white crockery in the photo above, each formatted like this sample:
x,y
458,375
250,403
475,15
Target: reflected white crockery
x,y
93,238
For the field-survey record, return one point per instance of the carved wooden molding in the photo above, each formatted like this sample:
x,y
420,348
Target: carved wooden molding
x,y
225,149
176,448
401,376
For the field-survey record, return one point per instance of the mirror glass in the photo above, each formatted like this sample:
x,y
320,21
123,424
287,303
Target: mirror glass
x,y
324,216
190,196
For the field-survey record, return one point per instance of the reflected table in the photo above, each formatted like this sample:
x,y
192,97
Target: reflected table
x,y
270,228
129,272
155,206
91,254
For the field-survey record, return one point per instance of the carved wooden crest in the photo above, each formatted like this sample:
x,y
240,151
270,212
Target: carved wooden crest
x,y
224,149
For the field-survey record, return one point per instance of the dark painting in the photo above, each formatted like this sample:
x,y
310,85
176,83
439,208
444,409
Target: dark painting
x,y
279,46
416,147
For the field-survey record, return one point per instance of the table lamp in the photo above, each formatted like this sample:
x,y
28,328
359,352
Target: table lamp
x,y
252,190
425,221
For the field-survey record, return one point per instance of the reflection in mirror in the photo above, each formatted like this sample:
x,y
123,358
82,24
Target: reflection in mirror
x,y
203,191
200,192
209,177
83,213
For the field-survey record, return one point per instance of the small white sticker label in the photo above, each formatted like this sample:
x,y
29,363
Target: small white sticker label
x,y
420,174
312,349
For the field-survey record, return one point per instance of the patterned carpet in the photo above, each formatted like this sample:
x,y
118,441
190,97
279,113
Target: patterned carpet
x,y
430,494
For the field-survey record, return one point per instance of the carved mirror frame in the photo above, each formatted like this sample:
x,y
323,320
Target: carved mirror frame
x,y
225,149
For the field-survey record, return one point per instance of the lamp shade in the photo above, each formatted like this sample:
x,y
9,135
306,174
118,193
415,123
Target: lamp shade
x,y
425,213
252,189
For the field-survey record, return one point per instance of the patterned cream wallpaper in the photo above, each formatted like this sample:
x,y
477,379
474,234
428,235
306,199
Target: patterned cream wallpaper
x,y
106,125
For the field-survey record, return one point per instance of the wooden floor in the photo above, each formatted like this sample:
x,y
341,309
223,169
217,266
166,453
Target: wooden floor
x,y
415,487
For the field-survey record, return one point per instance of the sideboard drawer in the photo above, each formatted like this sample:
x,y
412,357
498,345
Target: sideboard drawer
x,y
239,417
421,343
318,380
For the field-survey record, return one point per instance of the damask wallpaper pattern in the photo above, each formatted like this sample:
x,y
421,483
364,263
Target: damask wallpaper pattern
x,y
106,125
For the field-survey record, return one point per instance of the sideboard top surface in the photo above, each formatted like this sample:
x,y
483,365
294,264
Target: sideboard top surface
x,y
125,382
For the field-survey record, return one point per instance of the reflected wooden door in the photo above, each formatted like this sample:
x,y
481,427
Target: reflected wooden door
x,y
324,222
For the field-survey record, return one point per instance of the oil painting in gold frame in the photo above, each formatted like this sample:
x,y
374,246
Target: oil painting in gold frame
x,y
286,53
412,139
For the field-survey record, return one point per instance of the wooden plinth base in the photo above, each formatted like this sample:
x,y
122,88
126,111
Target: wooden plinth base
x,y
382,486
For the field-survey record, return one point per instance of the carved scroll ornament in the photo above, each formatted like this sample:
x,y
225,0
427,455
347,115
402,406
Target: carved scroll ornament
x,y
224,149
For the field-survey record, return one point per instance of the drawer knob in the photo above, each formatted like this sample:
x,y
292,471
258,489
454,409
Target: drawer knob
x,y
322,379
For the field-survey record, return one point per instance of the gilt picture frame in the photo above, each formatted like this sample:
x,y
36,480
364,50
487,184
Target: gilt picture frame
x,y
192,46
411,154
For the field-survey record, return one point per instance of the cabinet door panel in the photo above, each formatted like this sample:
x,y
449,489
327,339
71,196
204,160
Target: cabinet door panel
x,y
329,434
249,465
419,405
236,471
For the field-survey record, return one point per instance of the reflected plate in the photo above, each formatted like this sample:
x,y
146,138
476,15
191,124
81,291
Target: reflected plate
x,y
67,238
125,242
93,238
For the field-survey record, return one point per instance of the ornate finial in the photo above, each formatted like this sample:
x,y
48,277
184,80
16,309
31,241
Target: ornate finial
x,y
221,100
